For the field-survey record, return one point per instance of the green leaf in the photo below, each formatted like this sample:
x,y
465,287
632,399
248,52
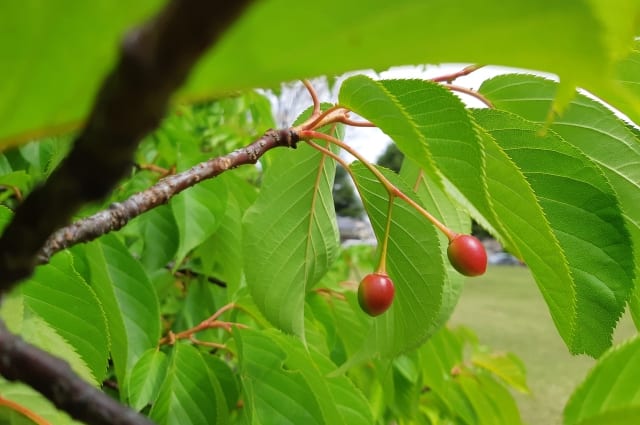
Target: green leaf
x,y
592,128
159,231
33,99
475,170
543,35
38,332
431,126
290,234
285,382
128,298
505,366
221,254
198,212
609,394
628,71
189,394
586,219
442,207
345,326
491,402
627,415
32,400
60,296
144,381
418,275
438,357
227,379
5,217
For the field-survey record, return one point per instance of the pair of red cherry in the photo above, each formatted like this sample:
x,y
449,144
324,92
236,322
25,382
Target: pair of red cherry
x,y
466,254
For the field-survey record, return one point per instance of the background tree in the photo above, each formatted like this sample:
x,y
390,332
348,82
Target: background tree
x,y
391,158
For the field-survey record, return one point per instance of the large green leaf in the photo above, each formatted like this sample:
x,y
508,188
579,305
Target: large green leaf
x,y
60,296
78,41
431,127
583,212
290,234
80,44
129,300
475,170
442,207
190,394
415,263
592,128
610,393
286,383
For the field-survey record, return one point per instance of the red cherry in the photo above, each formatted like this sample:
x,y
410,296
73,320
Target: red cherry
x,y
375,293
467,255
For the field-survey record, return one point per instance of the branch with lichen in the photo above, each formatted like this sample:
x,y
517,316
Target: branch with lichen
x,y
120,213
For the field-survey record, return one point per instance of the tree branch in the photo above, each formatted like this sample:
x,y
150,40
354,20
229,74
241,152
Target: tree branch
x,y
54,378
120,213
155,60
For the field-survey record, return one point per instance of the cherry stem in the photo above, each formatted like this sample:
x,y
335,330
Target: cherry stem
x,y
314,97
337,158
449,78
209,323
471,93
353,123
382,264
390,187
331,115
35,418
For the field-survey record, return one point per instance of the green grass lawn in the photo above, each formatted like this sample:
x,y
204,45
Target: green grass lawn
x,y
506,310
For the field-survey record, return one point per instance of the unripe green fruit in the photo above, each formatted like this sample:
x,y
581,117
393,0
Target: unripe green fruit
x,y
467,255
375,293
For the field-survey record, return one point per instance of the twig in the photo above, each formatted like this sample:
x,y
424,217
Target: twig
x,y
449,78
156,169
56,381
155,60
14,189
470,92
120,213
314,97
209,323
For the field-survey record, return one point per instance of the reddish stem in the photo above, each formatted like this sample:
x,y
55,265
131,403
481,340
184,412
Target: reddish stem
x,y
329,116
390,187
35,418
353,123
448,78
157,169
471,93
314,97
209,323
